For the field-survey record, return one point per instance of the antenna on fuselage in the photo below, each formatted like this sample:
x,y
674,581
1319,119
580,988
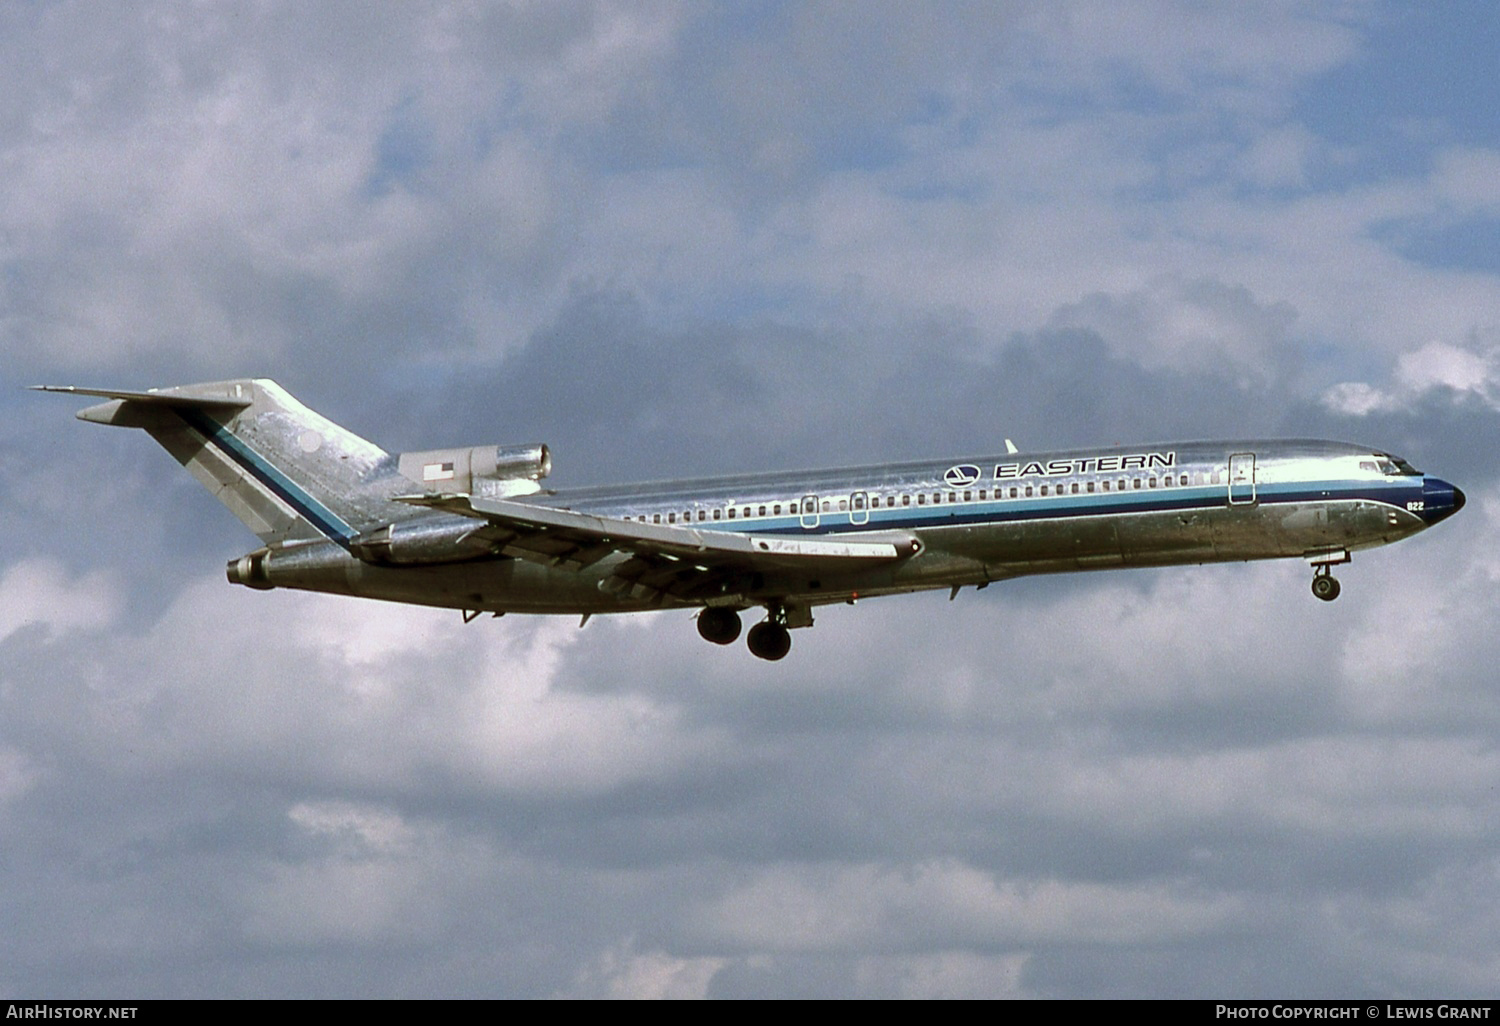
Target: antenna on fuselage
x,y
1010,448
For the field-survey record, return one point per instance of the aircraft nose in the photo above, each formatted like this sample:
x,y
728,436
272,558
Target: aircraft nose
x,y
1440,500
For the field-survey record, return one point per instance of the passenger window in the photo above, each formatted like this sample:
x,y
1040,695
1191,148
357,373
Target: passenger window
x,y
763,511
827,507
1044,489
1075,487
906,500
671,518
843,505
1183,481
1014,492
731,512
921,498
716,513
1152,481
1091,487
656,518
981,494
1028,491
1136,483
952,496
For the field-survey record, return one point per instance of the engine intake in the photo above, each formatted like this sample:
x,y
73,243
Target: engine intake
x,y
467,470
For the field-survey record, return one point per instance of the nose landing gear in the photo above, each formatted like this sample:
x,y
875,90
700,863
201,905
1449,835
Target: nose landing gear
x,y
1324,585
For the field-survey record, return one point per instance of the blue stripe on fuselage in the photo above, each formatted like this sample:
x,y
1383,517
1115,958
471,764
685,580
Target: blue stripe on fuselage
x,y
234,448
1161,500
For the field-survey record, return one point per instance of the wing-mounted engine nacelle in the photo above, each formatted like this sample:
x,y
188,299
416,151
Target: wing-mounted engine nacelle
x,y
494,470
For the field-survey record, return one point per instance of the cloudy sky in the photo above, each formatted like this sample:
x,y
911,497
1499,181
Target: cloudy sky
x,y
684,238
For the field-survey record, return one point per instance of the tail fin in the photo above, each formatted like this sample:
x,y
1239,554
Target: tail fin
x,y
287,472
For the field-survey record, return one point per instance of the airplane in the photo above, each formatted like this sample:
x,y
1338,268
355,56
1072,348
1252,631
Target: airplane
x,y
473,529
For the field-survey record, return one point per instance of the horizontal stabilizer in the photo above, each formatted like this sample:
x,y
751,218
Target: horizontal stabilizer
x,y
154,398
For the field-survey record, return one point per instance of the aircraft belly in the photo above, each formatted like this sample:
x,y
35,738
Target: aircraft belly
x,y
1257,531
1364,524
997,551
1168,537
1264,530
492,585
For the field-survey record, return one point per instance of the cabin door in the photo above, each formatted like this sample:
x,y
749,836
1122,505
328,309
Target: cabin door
x,y
809,511
1241,478
859,508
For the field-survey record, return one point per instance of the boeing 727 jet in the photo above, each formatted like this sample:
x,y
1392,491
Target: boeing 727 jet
x,y
473,529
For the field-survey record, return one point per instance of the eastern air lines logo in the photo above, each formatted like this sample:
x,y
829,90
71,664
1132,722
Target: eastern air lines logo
x,y
961,476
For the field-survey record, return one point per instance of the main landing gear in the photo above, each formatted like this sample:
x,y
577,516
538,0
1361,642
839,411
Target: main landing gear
x,y
719,625
1324,585
768,639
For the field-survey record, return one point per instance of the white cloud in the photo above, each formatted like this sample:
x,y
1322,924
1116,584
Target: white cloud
x,y
1468,179
625,973
366,828
372,877
944,975
873,907
367,694
1437,365
1201,325
39,593
925,799
16,774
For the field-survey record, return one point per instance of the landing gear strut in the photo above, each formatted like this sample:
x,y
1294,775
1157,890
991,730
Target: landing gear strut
x,y
1324,585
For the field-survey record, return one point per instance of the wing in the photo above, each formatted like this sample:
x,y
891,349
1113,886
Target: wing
x,y
665,560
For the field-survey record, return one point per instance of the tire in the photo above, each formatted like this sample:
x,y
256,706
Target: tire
x,y
1326,587
720,626
769,641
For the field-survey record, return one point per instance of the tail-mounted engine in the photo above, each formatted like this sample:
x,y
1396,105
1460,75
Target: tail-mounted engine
x,y
497,470
419,542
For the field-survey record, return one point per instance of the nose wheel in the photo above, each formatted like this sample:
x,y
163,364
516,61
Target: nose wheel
x,y
1324,585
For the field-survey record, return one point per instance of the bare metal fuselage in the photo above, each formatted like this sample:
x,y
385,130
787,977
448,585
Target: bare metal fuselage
x,y
472,528
1295,499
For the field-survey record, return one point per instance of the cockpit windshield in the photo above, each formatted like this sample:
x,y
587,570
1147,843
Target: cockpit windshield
x,y
1395,466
